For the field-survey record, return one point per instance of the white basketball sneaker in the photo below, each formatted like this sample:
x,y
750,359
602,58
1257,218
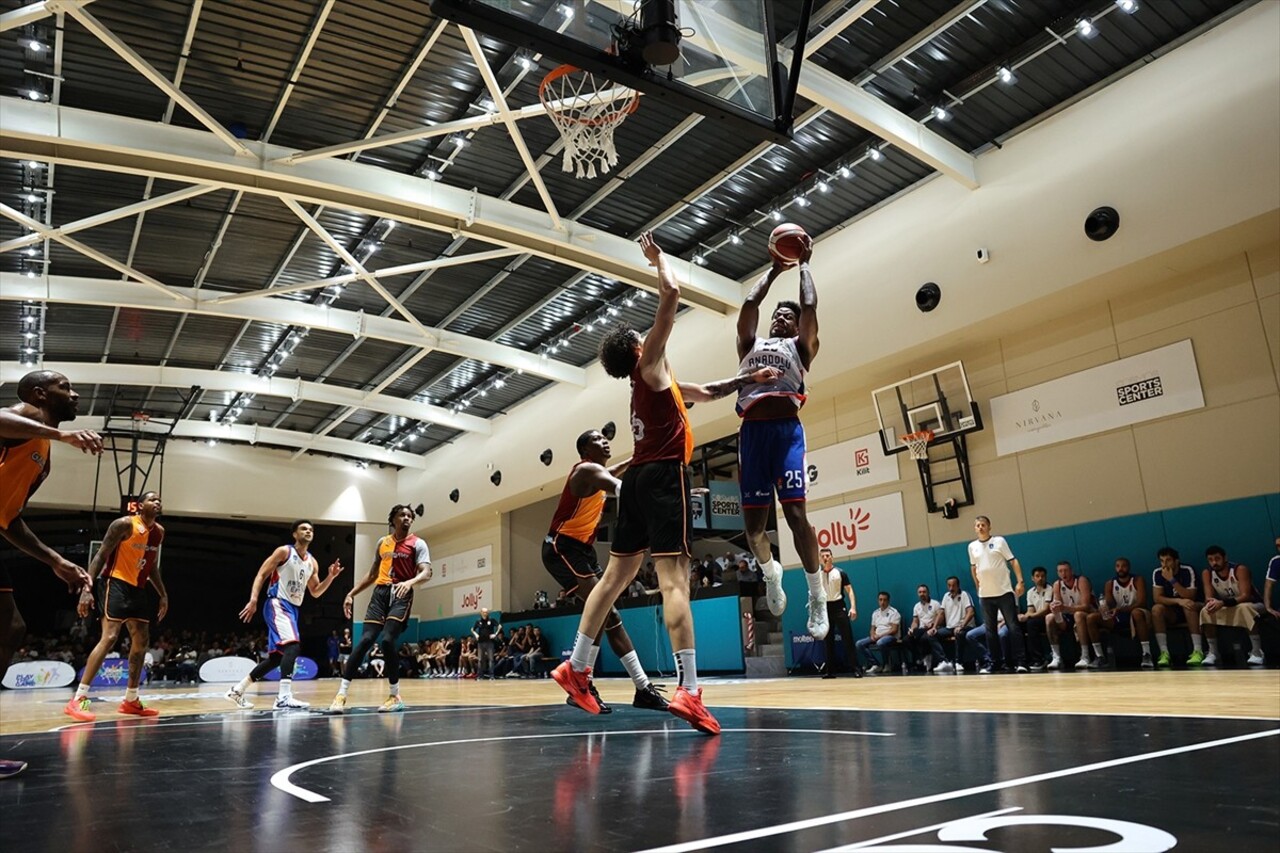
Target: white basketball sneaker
x,y
818,625
237,698
1210,660
773,594
1256,659
288,703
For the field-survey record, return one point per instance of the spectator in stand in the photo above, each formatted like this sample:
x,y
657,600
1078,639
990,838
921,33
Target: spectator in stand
x,y
886,625
467,658
562,599
516,650
344,649
409,660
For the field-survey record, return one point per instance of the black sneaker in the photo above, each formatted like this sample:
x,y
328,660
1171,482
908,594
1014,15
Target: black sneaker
x,y
604,709
649,699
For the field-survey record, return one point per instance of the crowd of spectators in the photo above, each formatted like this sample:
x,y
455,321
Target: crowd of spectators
x,y
174,656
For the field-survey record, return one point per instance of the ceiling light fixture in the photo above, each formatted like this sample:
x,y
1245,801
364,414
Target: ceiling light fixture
x,y
1005,75
1086,29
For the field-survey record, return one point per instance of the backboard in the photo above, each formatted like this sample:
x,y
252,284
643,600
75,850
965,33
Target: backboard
x,y
718,60
938,400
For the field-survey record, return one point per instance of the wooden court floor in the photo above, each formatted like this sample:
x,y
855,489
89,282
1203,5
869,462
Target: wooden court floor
x,y
1064,761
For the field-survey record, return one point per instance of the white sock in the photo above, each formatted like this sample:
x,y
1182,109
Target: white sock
x,y
131,694
814,579
1162,640
342,687
687,669
631,661
1197,641
1146,647
1054,647
82,691
770,569
591,656
580,659
1097,649
286,688
1256,643
395,689
1213,645
242,685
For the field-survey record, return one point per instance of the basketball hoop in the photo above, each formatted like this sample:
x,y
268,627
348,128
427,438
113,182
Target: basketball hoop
x,y
586,110
918,443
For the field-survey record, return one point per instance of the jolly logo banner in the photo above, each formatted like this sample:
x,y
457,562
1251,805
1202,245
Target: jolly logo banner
x,y
854,529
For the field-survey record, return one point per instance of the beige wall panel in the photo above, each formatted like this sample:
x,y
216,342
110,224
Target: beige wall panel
x,y
1183,299
1269,308
1264,265
435,602
1231,354
1084,480
997,490
1211,455
526,528
1061,342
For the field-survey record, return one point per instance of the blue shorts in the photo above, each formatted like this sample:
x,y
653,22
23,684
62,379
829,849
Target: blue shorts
x,y
282,622
771,458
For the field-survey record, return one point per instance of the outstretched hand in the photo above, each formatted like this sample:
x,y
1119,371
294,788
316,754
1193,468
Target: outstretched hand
x,y
652,251
86,439
808,249
73,576
335,568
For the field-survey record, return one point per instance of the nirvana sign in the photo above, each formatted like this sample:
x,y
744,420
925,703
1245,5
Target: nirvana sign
x,y
1140,388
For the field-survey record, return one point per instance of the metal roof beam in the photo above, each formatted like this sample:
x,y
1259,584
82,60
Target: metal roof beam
x,y
111,293
105,217
45,232
35,12
838,95
114,143
385,272
154,376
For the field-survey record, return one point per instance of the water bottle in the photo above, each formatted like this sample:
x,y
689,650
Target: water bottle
x,y
1104,610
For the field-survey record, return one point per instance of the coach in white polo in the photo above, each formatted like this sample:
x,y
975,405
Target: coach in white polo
x,y
989,561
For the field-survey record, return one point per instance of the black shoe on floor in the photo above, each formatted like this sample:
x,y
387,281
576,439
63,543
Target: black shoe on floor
x,y
829,675
604,709
649,699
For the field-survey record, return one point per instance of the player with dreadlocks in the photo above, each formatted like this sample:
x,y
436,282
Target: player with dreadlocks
x,y
402,562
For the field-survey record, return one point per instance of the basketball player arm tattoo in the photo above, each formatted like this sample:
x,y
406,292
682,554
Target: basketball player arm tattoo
x,y
158,583
277,558
695,393
749,315
808,320
116,533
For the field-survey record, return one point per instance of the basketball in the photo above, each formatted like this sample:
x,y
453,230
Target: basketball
x,y
789,242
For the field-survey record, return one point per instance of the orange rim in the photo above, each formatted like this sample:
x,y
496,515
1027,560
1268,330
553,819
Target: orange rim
x,y
563,70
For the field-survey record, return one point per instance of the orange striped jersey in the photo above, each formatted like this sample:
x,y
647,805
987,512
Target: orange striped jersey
x,y
23,468
659,422
577,517
135,557
398,561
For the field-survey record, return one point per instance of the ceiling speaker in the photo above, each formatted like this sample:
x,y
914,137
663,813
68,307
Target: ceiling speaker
x,y
928,296
1101,224
609,430
453,496
496,478
546,456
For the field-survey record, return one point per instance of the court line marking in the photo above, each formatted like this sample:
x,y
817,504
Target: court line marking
x,y
810,823
280,779
234,716
910,832
1004,712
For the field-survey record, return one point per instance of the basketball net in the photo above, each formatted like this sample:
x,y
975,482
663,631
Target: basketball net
x,y
586,110
918,443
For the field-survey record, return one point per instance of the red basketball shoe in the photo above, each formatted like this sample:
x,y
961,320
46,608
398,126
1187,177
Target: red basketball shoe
x,y
688,707
577,685
135,707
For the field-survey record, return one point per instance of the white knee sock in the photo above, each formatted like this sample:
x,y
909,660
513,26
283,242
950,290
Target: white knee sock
x,y
1055,648
395,689
286,688
631,661
1146,647
582,652
82,691
342,686
131,694
1162,640
814,579
1255,643
687,669
770,569
1213,645
242,685
1097,649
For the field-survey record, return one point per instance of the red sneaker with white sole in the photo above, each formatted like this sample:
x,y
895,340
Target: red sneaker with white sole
x,y
688,707
577,685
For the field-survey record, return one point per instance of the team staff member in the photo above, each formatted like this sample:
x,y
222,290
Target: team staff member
x,y
46,400
128,560
402,562
568,553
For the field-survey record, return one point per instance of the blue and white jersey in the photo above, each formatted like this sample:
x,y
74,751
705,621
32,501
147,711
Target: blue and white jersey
x,y
1184,575
783,354
290,578
1124,593
1226,586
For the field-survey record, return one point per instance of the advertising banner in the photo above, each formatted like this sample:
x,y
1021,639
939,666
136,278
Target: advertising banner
x,y
226,670
114,673
854,529
726,505
1140,388
31,674
468,565
470,597
849,466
